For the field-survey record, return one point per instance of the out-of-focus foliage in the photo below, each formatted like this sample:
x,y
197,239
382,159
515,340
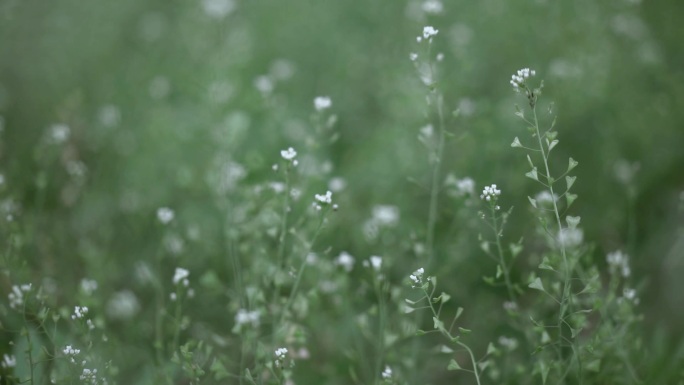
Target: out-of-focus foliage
x,y
187,104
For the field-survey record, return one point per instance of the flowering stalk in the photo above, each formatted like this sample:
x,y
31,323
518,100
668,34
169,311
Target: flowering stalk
x,y
490,194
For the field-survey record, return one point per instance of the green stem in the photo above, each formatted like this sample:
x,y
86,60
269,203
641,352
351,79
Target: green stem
x,y
509,286
434,190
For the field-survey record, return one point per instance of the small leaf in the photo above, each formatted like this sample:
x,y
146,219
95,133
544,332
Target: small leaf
x,y
483,365
445,349
459,311
516,142
488,280
572,164
408,309
445,297
545,339
544,371
594,365
455,339
537,285
498,271
529,160
532,174
420,332
572,221
551,135
464,331
553,144
453,365
575,332
570,198
570,180
533,201
409,301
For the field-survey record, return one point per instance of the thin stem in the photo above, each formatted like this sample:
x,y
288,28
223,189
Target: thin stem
x,y
502,260
434,190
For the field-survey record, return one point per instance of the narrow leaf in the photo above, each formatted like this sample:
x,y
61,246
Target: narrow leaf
x,y
553,144
533,201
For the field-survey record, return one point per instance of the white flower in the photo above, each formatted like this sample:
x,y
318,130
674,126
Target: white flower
x,y
218,8
180,275
345,260
264,84
413,56
571,237
321,199
619,261
16,296
387,373
79,312
337,184
433,6
518,79
429,32
386,215
59,133
8,361
123,305
281,354
417,276
288,154
165,215
247,317
376,262
322,103
490,193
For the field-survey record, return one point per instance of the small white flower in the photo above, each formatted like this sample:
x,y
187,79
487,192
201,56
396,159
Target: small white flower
x,y
432,6
413,56
88,286
345,260
619,261
429,32
247,317
322,103
518,79
59,133
79,312
70,351
16,296
417,276
288,154
165,215
376,262
321,199
264,84
180,275
387,373
490,193
386,215
8,361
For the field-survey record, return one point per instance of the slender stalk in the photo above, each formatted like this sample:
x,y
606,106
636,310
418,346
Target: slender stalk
x,y
436,177
502,260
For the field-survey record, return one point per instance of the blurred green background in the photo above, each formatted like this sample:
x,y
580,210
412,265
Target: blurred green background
x,y
159,96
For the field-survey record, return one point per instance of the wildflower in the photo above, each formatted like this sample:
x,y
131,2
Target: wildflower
x,y
570,238
321,199
322,103
79,312
123,305
59,133
264,84
490,193
16,296
8,361
618,261
345,260
181,275
71,353
288,154
387,373
281,354
386,215
508,343
337,184
417,277
88,286
247,317
413,56
464,186
432,6
518,79
376,262
429,32
89,375
165,215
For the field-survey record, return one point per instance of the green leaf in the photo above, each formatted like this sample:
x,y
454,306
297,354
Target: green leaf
x,y
570,198
456,113
532,174
459,311
498,271
453,365
572,164
575,332
515,248
594,365
529,160
551,135
533,202
219,370
445,297
445,349
464,331
420,332
483,365
409,301
544,371
516,142
570,180
572,221
537,285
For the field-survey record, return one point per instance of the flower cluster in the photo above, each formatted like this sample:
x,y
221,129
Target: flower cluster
x,y
322,103
345,260
281,354
8,361
619,261
323,200
289,155
417,277
71,353
387,373
518,79
79,312
89,376
181,275
491,194
165,215
247,317
16,296
428,33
